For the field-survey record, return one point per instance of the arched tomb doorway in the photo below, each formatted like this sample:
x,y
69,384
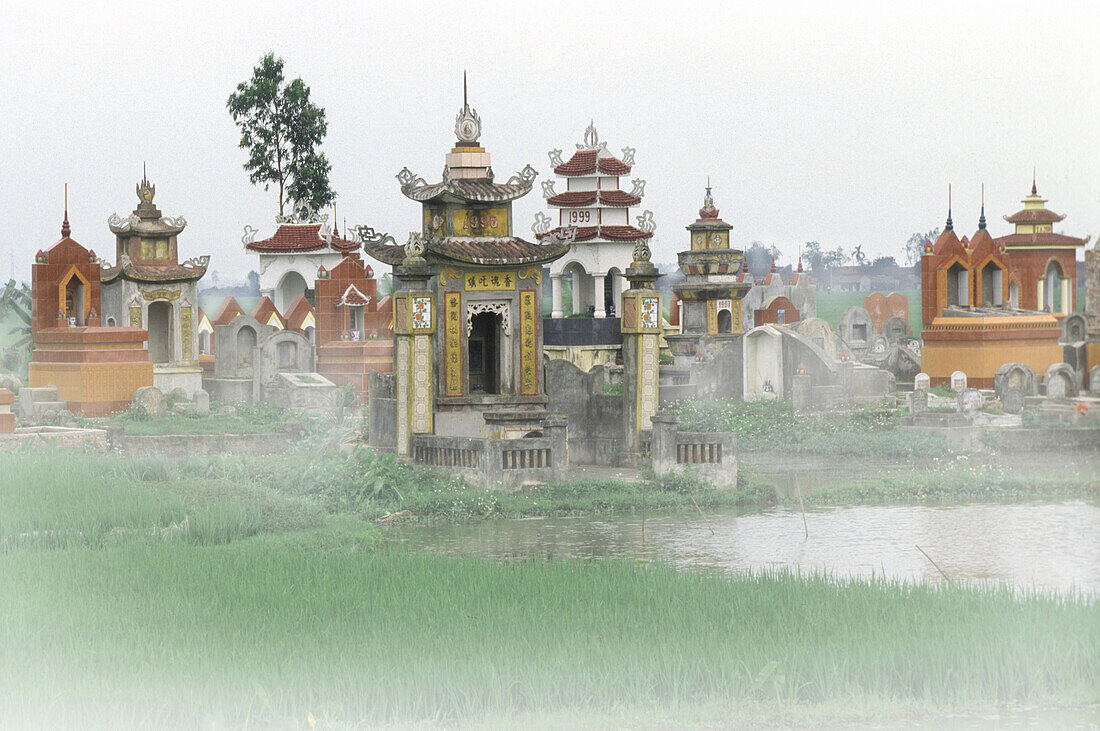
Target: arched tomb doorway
x,y
160,331
484,352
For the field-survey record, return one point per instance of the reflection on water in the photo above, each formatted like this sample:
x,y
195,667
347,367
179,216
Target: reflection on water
x,y
1044,545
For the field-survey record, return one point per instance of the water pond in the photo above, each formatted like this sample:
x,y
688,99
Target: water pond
x,y
1049,545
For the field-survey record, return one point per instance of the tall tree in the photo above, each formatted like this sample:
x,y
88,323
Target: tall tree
x,y
759,258
282,130
914,247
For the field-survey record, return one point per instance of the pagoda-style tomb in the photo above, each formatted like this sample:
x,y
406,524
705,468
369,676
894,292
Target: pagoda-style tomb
x,y
467,301
974,309
149,288
708,300
1044,263
595,203
291,257
95,369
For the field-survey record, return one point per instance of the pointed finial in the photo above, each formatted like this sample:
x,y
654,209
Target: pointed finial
x,y
949,225
65,230
773,265
981,221
1033,190
144,175
464,102
800,263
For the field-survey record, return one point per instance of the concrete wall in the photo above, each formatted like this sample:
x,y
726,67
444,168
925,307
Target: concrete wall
x,y
595,418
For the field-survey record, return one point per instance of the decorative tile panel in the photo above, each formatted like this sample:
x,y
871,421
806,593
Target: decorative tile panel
x,y
452,343
422,367
651,313
647,380
421,312
187,333
529,342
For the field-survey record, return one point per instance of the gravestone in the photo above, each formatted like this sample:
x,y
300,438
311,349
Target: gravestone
x,y
801,393
152,400
958,381
918,402
969,401
895,329
1012,400
202,402
922,382
1074,328
1015,375
1094,380
879,346
1060,381
856,328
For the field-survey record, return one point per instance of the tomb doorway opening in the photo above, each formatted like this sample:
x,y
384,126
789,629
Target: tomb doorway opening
x,y
290,287
958,285
74,299
246,341
160,332
484,346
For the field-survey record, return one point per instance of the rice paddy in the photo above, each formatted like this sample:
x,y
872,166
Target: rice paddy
x,y
135,594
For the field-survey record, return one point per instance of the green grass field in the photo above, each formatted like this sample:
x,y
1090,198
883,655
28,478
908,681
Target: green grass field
x,y
139,595
830,307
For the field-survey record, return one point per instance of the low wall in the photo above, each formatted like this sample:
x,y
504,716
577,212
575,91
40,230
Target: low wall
x,y
497,463
40,437
176,446
711,456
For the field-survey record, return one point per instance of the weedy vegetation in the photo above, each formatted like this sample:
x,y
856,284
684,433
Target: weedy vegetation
x,y
235,592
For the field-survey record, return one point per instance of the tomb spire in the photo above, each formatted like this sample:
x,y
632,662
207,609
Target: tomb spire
x,y
981,220
65,230
949,226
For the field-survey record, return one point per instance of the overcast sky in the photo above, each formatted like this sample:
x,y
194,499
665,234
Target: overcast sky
x,y
841,123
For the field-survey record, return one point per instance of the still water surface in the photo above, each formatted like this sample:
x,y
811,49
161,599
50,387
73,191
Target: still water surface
x,y
1050,546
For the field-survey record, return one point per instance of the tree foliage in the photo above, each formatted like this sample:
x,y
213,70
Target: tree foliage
x,y
914,247
759,258
817,258
282,131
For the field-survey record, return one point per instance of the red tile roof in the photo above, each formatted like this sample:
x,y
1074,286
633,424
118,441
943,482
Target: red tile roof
x,y
574,198
1042,239
353,296
613,166
578,198
618,198
583,162
587,162
623,233
1034,215
299,237
611,233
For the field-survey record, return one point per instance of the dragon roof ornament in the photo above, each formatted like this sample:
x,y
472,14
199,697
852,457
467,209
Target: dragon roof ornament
x,y
367,235
542,223
302,213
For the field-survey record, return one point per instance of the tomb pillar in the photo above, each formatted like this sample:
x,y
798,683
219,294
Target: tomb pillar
x,y
555,289
1040,302
413,327
641,327
597,295
578,293
1066,296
